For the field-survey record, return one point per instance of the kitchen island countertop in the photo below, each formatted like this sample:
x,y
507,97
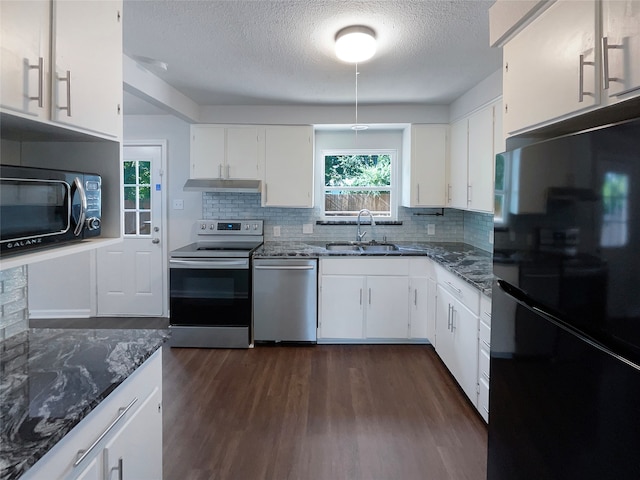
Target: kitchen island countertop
x,y
50,379
469,263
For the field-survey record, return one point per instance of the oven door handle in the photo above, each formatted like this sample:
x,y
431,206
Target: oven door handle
x,y
213,264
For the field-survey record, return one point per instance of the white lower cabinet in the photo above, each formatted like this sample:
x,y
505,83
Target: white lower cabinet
x,y
120,439
372,299
456,342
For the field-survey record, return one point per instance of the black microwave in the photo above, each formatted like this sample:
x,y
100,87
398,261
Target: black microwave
x,y
41,207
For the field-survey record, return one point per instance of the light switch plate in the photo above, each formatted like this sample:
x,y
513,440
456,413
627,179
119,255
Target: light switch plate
x,y
307,228
178,204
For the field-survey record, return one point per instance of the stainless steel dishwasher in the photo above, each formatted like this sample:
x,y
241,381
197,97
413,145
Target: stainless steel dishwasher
x,y
285,298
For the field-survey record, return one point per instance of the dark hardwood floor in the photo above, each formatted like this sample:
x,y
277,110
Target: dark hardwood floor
x,y
334,412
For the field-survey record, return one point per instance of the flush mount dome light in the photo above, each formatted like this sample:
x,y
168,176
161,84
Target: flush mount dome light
x,y
355,44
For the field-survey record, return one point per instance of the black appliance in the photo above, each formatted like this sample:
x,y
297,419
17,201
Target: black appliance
x,y
565,330
40,207
210,285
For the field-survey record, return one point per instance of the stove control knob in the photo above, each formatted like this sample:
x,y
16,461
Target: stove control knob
x,y
255,226
212,227
203,226
246,227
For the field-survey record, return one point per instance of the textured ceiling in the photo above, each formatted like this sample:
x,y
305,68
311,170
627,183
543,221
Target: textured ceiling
x,y
280,52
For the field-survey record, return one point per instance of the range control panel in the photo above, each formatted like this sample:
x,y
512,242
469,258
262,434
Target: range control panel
x,y
230,227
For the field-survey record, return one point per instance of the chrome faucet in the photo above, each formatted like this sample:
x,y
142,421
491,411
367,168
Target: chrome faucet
x,y
360,235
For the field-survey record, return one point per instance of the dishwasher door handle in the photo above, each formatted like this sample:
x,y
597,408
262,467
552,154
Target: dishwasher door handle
x,y
284,267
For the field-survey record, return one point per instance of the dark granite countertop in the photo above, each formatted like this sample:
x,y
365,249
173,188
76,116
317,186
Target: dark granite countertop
x,y
50,379
469,263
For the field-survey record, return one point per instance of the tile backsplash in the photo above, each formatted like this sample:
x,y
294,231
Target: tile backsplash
x,y
14,316
455,226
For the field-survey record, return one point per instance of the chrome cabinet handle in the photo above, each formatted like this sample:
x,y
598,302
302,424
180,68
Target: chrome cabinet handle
x,y
40,68
228,171
283,267
484,374
458,291
449,318
360,296
487,314
219,170
605,62
415,297
369,296
486,345
581,92
453,319
107,471
68,80
449,193
418,192
82,454
468,193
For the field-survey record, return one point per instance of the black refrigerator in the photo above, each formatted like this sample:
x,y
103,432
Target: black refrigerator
x,y
565,334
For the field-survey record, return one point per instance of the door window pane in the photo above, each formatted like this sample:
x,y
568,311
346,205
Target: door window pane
x,y
137,197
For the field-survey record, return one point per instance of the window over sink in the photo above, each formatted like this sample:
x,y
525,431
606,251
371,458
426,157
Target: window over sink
x,y
359,179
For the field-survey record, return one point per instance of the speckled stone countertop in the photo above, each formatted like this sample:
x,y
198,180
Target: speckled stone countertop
x,y
50,379
469,263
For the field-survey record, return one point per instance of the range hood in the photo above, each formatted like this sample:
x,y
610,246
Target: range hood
x,y
220,185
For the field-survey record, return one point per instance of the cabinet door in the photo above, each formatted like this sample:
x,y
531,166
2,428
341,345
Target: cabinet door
x,y
137,446
551,67
387,314
242,153
418,307
481,161
207,151
341,306
427,182
87,65
621,36
24,37
431,310
459,349
288,172
457,195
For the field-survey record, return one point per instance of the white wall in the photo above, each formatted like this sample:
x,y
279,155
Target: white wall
x,y
180,226
483,93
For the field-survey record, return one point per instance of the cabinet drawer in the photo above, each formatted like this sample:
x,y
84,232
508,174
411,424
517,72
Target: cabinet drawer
x,y
483,364
485,309
460,289
483,399
364,266
485,335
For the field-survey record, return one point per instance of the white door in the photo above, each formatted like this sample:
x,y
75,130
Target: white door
x,y
131,274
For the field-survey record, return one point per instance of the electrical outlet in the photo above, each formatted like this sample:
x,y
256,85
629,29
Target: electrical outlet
x,y
307,228
178,204
431,229
276,231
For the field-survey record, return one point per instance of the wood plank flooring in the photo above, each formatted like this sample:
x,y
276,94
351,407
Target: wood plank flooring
x,y
334,412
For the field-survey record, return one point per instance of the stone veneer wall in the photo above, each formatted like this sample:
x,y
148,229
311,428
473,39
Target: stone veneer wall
x,y
452,227
14,314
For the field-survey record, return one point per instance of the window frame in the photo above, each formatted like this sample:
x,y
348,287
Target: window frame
x,y
394,187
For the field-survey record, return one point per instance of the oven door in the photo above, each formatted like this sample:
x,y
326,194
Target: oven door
x,y
210,292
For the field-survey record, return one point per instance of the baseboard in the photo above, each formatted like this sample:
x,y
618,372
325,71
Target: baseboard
x,y
69,313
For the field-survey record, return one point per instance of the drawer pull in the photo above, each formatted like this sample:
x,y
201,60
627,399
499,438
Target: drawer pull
x,y
486,376
454,288
40,68
82,454
487,314
486,345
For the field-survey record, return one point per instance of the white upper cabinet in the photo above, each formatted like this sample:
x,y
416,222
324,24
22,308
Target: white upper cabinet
x,y
25,45
621,48
62,62
457,187
87,65
551,67
288,166
475,140
424,171
225,152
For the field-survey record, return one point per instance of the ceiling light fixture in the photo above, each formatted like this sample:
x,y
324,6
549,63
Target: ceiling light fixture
x,y
355,44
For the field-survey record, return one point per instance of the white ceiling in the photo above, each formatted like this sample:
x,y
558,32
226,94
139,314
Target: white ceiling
x,y
280,52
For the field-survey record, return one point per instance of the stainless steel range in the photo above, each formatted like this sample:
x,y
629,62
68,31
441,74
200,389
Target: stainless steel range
x,y
210,285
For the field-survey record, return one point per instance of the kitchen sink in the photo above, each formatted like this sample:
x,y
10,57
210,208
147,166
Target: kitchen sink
x,y
343,247
384,247
361,247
